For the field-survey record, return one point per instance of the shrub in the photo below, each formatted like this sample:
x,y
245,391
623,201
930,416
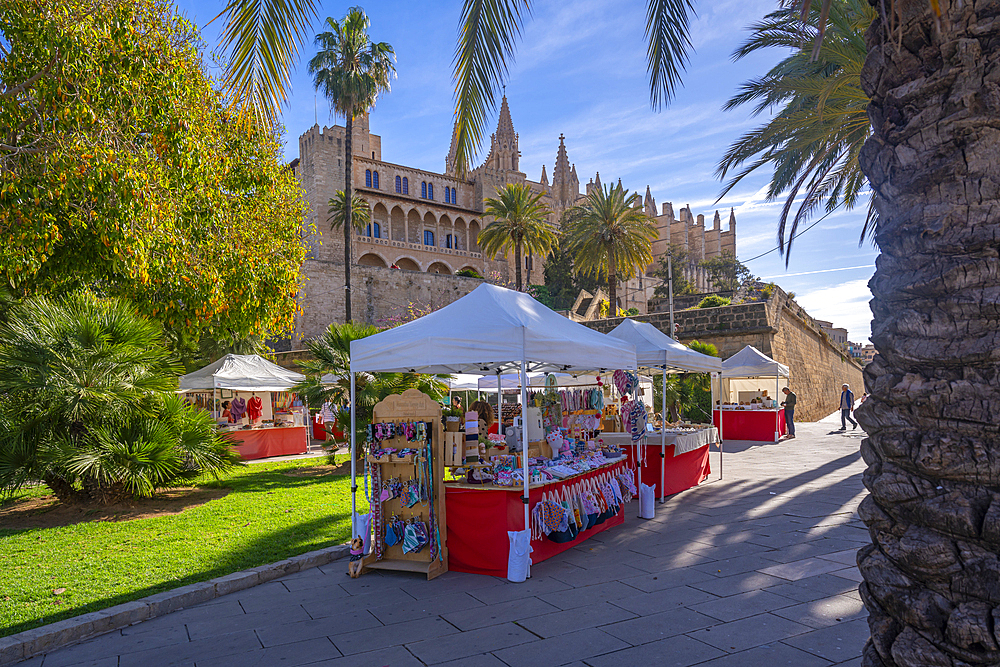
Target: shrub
x,y
90,407
713,301
631,312
468,273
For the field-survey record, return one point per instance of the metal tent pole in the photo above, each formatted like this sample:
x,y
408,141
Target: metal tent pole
x,y
721,439
524,444
354,462
663,436
777,430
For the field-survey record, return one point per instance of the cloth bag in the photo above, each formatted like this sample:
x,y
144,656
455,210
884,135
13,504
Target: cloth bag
x,y
647,501
519,557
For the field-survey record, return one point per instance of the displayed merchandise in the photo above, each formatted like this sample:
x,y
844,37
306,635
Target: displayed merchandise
x,y
404,466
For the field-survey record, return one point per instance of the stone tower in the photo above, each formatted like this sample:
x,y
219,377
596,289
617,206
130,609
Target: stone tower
x,y
565,183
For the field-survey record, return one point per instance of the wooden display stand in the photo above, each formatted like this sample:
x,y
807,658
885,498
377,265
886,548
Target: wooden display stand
x,y
412,406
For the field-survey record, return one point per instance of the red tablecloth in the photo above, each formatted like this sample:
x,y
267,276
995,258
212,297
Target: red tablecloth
x,y
679,472
478,521
749,424
264,442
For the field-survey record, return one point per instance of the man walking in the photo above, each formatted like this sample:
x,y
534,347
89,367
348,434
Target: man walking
x,y
789,404
846,406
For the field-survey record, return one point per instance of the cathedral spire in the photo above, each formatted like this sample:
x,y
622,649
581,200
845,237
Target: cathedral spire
x,y
717,222
505,126
597,180
545,179
649,204
504,154
449,161
732,220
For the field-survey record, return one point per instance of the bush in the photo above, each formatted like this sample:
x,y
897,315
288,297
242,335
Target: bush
x,y
468,273
631,312
713,301
90,405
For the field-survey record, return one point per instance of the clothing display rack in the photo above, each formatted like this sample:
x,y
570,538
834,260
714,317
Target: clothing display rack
x,y
411,460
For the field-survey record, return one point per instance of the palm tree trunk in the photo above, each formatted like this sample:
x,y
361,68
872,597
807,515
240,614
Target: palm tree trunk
x,y
612,288
517,260
348,226
932,573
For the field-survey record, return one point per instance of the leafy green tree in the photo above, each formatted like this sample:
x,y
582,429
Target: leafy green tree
x,y
714,301
519,223
352,72
126,173
610,236
811,145
90,405
726,273
562,283
328,378
679,257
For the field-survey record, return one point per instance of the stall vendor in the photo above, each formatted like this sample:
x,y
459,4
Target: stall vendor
x,y
225,412
485,411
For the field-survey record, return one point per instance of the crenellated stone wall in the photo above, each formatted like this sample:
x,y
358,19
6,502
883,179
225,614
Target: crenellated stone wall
x,y
779,328
378,294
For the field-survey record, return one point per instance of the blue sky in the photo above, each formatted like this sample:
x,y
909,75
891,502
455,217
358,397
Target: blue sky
x,y
580,71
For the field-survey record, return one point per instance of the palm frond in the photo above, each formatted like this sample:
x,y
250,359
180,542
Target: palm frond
x,y
361,215
488,34
667,49
262,40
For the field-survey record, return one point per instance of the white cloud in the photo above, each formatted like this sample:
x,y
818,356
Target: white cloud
x,y
845,304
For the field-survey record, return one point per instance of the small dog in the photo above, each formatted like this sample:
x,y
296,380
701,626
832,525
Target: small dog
x,y
357,553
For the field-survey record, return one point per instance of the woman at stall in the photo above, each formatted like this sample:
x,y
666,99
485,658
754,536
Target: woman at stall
x,y
225,412
485,411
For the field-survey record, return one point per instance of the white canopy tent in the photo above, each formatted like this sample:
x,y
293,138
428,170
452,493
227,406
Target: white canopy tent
x,y
488,331
655,349
241,372
751,363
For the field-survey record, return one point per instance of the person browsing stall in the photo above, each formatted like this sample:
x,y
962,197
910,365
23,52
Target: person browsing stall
x,y
789,404
846,407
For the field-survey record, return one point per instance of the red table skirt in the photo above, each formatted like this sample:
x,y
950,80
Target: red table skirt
x,y
755,425
679,472
478,521
265,442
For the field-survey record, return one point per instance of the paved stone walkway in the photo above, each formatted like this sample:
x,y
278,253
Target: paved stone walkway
x,y
757,569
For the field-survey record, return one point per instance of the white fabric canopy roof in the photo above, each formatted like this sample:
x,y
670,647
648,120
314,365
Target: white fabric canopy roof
x,y
655,349
487,330
751,362
242,373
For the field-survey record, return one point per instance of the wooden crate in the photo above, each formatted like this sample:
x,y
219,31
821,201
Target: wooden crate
x,y
454,447
412,405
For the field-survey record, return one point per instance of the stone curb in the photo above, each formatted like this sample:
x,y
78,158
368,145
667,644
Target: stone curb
x,y
30,643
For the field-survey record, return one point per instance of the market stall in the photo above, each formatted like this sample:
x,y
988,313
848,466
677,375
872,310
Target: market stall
x,y
266,419
749,414
686,463
523,335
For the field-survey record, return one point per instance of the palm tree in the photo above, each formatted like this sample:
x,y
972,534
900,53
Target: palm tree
x,y
812,142
610,235
360,216
332,360
89,404
352,72
519,222
930,574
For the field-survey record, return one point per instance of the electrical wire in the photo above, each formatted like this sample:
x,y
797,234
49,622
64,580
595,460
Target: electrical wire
x,y
797,235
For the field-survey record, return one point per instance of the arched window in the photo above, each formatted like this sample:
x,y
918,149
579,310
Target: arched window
x,y
423,189
447,241
447,195
399,184
430,191
368,178
406,186
428,237
368,231
375,180
377,230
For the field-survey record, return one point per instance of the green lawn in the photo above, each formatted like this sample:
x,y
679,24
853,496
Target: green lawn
x,y
266,517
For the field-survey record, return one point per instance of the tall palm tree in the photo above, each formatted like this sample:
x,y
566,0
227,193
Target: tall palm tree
x,y
812,142
352,72
519,222
610,235
931,573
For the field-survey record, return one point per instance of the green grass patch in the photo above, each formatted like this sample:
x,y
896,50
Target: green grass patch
x,y
266,517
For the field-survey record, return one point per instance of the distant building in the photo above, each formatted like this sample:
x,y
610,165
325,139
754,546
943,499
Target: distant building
x,y
867,353
855,350
837,334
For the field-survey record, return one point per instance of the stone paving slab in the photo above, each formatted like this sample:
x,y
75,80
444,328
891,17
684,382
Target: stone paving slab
x,y
756,569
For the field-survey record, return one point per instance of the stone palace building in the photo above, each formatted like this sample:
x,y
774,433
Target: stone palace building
x,y
425,224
